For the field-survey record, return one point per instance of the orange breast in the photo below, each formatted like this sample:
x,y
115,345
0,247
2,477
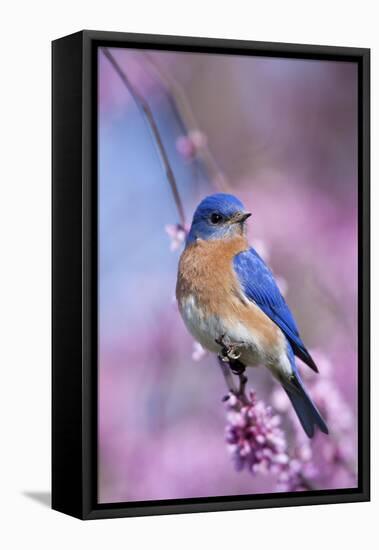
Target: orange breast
x,y
206,274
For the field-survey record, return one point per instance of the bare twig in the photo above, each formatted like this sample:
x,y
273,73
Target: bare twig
x,y
230,364
176,96
227,373
243,381
186,119
149,117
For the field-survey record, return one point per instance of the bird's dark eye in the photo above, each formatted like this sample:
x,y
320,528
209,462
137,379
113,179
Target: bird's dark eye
x,y
216,218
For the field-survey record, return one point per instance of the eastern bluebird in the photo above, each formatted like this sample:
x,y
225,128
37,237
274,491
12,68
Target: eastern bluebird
x,y
226,291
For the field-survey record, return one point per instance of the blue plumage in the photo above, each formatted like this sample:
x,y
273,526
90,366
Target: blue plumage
x,y
305,409
220,202
221,218
224,205
259,285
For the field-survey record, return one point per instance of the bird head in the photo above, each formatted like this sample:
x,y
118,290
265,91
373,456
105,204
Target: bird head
x,y
218,216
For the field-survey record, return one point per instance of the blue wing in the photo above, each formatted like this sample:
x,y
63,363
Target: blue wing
x,y
260,287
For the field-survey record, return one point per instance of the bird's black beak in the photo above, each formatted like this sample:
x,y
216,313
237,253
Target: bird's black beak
x,y
241,217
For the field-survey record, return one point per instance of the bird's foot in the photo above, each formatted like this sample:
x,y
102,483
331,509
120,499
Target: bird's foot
x,y
230,351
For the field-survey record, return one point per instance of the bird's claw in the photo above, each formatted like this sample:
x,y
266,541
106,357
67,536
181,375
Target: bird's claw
x,y
230,354
233,353
230,351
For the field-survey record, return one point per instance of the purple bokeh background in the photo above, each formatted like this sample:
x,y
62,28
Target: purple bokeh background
x,y
284,133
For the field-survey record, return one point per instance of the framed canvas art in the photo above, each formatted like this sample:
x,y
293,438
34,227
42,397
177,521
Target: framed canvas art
x,y
210,275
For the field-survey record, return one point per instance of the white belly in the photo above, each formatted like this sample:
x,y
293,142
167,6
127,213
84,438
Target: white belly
x,y
206,329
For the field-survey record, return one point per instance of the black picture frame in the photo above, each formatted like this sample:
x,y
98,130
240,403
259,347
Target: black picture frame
x,y
74,273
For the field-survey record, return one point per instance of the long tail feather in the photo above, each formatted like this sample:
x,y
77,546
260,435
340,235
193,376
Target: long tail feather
x,y
306,410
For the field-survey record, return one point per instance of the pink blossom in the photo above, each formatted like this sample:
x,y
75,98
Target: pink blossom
x,y
335,450
190,145
177,234
198,352
301,467
254,436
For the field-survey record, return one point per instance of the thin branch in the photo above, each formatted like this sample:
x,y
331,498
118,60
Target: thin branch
x,y
185,116
240,391
149,117
230,364
227,373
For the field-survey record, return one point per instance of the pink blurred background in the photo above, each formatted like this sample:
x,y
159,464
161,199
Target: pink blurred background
x,y
283,133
